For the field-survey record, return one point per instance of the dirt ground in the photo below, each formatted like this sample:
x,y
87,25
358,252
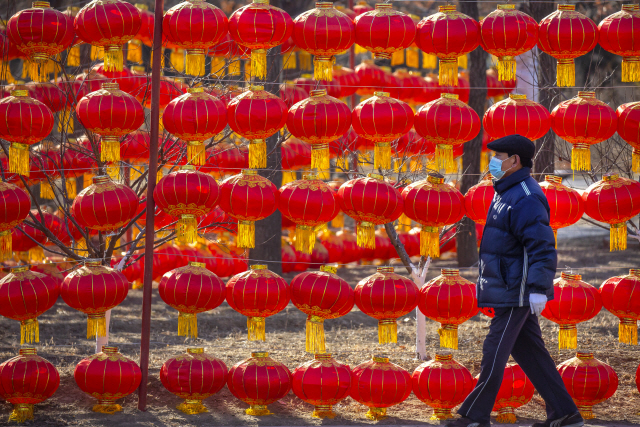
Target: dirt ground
x,y
351,339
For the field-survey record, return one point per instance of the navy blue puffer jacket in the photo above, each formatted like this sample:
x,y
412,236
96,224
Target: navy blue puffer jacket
x,y
517,252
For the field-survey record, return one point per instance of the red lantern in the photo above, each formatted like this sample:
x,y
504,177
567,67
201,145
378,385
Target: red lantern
x,y
617,34
566,203
613,200
248,197
515,391
25,295
369,201
516,115
334,245
574,301
292,94
384,30
621,296
566,34
193,376
370,78
107,376
93,289
259,27
97,25
451,300
379,384
448,34
348,80
191,289
506,33
386,296
257,294
25,380
322,382
629,130
478,200
259,381
589,381
15,205
583,121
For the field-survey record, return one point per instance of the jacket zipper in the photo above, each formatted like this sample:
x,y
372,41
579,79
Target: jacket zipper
x,y
525,270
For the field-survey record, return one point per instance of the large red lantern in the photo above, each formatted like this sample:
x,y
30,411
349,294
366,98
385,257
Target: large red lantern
x,y
379,384
565,203
613,200
442,383
107,376
322,382
451,300
259,381
14,208
320,295
319,120
109,24
257,294
25,380
93,289
583,121
515,391
259,27
370,201
566,34
384,31
629,130
385,296
381,119
621,296
619,34
478,199
589,381
516,115
193,376
27,121
25,295
433,204
194,25
574,301
507,33
448,34
248,197
191,289
323,32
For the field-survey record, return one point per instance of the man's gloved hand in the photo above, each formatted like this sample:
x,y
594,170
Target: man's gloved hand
x,y
537,303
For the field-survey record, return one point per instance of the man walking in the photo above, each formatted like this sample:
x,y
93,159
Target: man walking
x,y
517,267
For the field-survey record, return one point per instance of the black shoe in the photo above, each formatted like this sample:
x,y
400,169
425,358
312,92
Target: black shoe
x,y
573,420
466,422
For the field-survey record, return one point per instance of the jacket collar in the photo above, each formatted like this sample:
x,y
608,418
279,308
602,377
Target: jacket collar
x,y
506,183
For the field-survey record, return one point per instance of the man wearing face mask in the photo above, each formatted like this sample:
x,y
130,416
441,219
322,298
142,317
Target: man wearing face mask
x,y
517,267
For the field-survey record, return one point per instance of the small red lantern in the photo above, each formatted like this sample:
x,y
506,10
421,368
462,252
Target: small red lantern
x,y
386,296
25,380
109,24
384,31
516,115
621,296
583,121
589,381
348,80
257,294
370,201
259,381
629,130
379,384
478,199
322,382
107,376
613,200
193,376
451,300
566,203
515,391
566,34
15,205
574,301
191,289
618,34
93,289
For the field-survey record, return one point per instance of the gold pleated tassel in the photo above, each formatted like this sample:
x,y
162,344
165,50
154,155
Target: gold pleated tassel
x,y
159,175
305,61
580,157
177,59
134,51
404,223
448,72
506,416
65,119
448,336
258,410
444,157
257,154
323,68
196,153
635,160
161,59
397,58
338,221
29,331
192,407
246,234
21,412
70,186
46,191
586,412
217,66
73,57
81,246
413,57
259,63
137,284
96,53
315,342
110,149
342,163
387,331
38,70
6,250
376,414
96,326
288,176
366,235
135,172
320,157
628,331
618,237
108,241
113,60
430,241
463,62
359,49
256,328
429,61
506,68
36,254
631,69
566,73
187,229
234,67
113,170
289,63
19,159
485,158
382,156
107,407
323,411
188,325
555,236
195,62
441,414
305,238
568,336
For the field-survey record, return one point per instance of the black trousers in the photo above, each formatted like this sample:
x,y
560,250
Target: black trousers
x,y
515,331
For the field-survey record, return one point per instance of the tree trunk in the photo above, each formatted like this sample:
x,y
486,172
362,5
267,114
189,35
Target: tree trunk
x,y
466,233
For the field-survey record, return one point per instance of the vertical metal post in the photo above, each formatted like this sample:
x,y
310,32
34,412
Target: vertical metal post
x,y
352,62
149,226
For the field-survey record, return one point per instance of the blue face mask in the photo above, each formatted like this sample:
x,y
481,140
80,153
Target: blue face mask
x,y
495,168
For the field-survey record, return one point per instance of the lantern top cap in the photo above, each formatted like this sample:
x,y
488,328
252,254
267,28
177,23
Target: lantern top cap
x,y
329,269
259,354
141,6
197,264
488,177
196,350
256,87
258,267
249,172
109,349
20,269
381,93
517,96
553,178
610,177
586,94
584,355
195,90
324,5
570,276
312,174
380,358
93,262
323,356
101,179
447,8
187,168
628,7
634,272
20,92
444,355
566,7
261,1
110,85
138,68
40,5
385,269
319,92
28,350
383,5
449,95
506,6
435,179
375,176
450,272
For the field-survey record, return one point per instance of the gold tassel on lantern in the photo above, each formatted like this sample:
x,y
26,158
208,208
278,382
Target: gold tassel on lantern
x,y
444,157
96,326
113,170
429,61
305,239
70,187
196,153
134,51
618,237
29,331
628,331
21,413
448,72
159,175
430,241
246,234
323,68
506,416
305,61
387,331
635,160
188,325
360,49
106,407
258,154
6,250
259,63
338,221
65,119
404,223
96,53
463,62
376,414
110,149
256,328
177,59
161,60
580,157
187,229
366,235
631,69
192,407
234,67
448,336
288,176
555,236
36,255
506,68
397,58
413,57
315,342
217,66
19,159
323,411
46,191
258,410
38,67
320,157
568,336
195,62
566,73
289,63
73,57
113,60
382,156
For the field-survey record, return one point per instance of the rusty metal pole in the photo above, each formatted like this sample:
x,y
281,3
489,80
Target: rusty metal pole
x,y
149,226
352,61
